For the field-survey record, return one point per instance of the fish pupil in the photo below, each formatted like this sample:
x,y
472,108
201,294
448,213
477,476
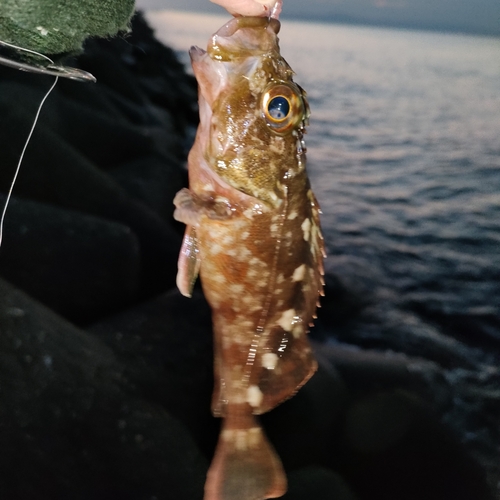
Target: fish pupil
x,y
278,108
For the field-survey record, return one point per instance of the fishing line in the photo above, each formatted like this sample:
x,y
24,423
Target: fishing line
x,y
18,168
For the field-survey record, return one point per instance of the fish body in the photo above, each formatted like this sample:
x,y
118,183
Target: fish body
x,y
253,235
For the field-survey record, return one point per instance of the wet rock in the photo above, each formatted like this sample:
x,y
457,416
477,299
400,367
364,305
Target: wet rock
x,y
366,370
71,426
395,447
155,71
148,181
302,428
121,124
318,483
78,265
166,347
59,175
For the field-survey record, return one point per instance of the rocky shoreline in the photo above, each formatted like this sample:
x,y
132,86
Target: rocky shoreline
x,y
106,370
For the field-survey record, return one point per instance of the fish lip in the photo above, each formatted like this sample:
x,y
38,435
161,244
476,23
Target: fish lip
x,y
196,53
231,27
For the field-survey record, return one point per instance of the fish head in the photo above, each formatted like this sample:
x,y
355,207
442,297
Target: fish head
x,y
252,114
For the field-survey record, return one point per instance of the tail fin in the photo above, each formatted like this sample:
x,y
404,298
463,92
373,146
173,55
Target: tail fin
x,y
245,465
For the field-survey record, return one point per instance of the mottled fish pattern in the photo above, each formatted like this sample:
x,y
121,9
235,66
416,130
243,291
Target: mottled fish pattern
x,y
253,234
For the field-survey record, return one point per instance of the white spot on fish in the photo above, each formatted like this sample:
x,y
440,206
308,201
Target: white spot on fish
x,y
254,436
218,278
251,273
299,273
241,439
306,227
269,360
236,288
292,215
297,331
243,253
254,396
254,261
273,196
287,319
214,249
245,324
276,149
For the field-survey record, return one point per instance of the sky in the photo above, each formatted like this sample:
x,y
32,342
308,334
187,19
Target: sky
x,y
469,16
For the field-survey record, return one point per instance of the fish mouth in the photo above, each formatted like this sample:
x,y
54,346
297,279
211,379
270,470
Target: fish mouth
x,y
237,23
243,37
196,53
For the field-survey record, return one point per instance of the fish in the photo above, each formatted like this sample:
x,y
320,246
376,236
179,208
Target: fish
x,y
253,236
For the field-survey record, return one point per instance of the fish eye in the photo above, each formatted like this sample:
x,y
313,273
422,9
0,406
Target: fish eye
x,y
283,107
278,108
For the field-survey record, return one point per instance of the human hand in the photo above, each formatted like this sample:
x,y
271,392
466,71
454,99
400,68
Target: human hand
x,y
264,8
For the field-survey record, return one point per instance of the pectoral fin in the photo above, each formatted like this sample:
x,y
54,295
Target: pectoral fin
x,y
189,262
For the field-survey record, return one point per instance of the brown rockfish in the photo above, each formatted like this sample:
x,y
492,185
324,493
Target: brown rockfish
x,y
254,237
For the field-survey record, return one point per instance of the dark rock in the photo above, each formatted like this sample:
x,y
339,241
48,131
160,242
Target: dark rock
x,y
365,370
71,426
157,70
151,183
166,346
86,130
395,447
302,428
59,175
317,483
78,265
